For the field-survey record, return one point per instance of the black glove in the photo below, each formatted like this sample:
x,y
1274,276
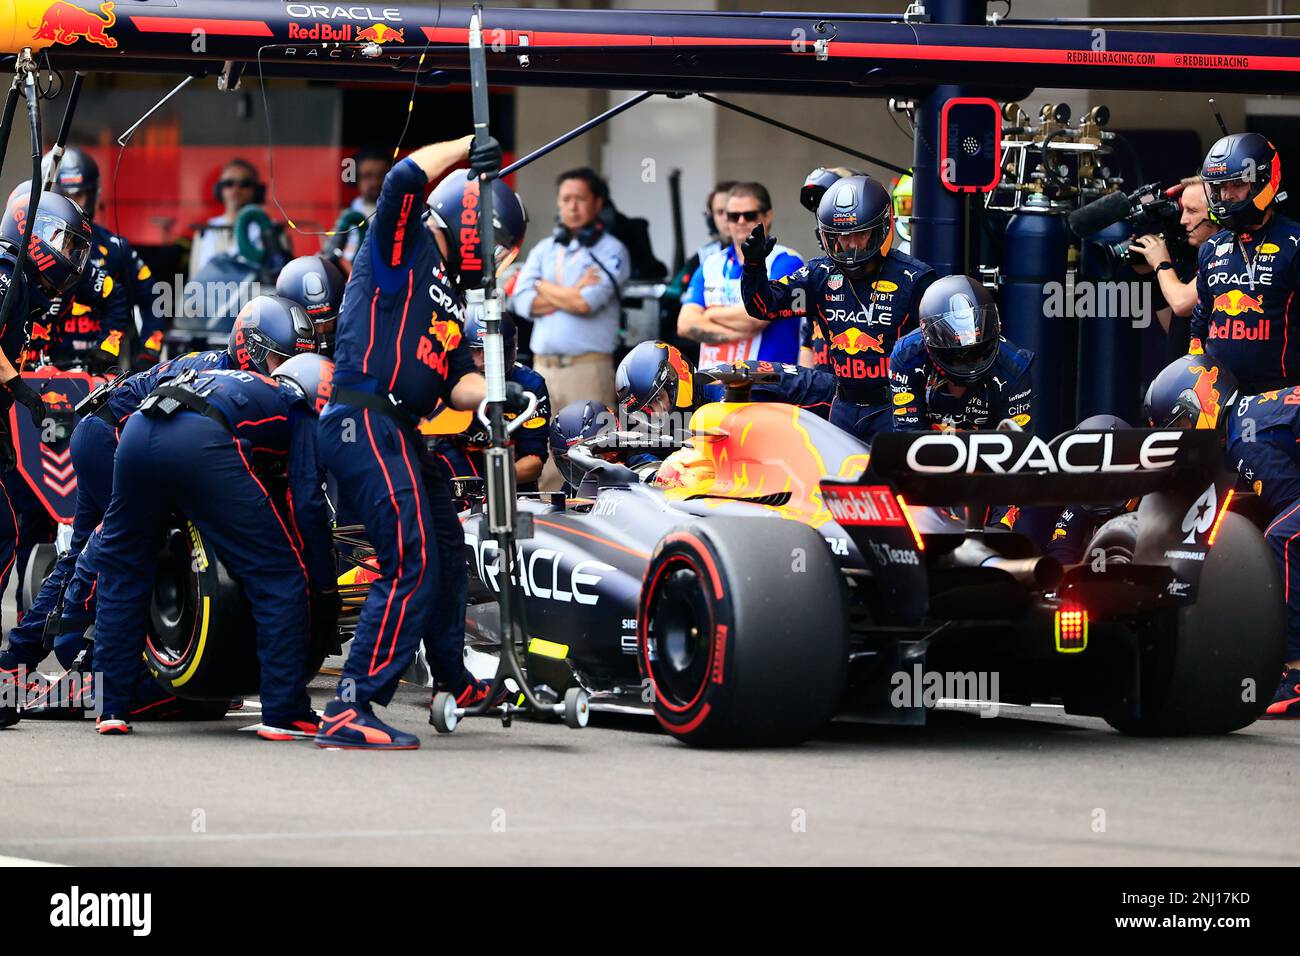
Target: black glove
x,y
324,608
485,158
757,247
516,400
23,394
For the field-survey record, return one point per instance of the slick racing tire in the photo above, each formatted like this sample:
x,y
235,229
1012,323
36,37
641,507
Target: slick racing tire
x,y
201,642
39,565
742,632
1216,672
1116,540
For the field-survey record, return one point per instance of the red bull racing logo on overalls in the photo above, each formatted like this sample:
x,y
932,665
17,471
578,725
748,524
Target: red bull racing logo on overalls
x,y
1232,304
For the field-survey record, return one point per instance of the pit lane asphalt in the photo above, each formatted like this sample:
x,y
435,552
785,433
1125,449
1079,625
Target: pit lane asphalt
x,y
1028,787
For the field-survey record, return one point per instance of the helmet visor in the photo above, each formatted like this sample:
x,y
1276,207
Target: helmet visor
x,y
854,247
55,233
961,326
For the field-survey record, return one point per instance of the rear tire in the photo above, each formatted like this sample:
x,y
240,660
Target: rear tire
x,y
742,632
201,643
1227,646
1116,540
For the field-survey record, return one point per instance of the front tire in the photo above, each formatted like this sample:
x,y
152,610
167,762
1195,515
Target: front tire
x,y
1216,672
742,632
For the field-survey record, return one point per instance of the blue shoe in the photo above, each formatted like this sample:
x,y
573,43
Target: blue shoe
x,y
354,727
1286,702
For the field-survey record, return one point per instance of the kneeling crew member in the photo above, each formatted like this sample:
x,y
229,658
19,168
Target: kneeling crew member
x,y
400,353
202,445
863,294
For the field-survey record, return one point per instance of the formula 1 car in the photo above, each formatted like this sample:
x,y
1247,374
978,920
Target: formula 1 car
x,y
812,577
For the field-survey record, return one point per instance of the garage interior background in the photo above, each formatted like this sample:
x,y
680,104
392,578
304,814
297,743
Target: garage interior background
x,y
164,183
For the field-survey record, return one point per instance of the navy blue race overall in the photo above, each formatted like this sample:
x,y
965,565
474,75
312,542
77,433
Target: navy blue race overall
x,y
204,445
1264,448
399,353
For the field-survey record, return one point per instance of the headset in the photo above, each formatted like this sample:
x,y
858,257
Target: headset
x,y
587,236
259,190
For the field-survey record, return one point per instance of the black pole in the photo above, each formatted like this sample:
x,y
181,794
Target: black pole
x,y
34,197
937,213
876,160
574,133
65,128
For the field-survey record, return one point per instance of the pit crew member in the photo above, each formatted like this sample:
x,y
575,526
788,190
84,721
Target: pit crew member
x,y
78,179
202,444
1262,438
862,293
1245,315
813,350
656,383
956,371
267,331
316,284
400,352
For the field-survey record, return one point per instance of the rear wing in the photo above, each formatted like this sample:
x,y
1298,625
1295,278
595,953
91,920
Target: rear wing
x,y
1179,475
1016,468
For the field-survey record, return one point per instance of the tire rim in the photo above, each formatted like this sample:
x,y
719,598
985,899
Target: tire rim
x,y
680,632
171,642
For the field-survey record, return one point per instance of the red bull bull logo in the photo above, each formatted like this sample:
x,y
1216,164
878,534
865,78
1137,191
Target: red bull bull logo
x,y
447,332
854,340
1235,302
1207,395
381,33
55,398
66,23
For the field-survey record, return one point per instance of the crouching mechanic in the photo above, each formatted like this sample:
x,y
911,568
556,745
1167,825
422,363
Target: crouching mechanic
x,y
267,331
461,455
655,382
202,445
1262,438
863,294
400,352
956,372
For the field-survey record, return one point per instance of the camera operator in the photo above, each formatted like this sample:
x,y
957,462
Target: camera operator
x,y
1174,263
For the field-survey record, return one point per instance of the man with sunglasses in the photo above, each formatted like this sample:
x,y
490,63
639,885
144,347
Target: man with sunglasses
x,y
712,313
862,294
238,186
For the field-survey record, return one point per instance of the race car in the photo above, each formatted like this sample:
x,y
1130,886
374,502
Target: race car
x,y
812,577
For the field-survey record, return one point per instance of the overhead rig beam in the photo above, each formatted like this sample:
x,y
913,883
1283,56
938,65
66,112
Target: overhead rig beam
x,y
816,54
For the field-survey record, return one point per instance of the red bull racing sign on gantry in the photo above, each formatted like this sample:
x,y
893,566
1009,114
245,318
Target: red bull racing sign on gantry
x,y
637,49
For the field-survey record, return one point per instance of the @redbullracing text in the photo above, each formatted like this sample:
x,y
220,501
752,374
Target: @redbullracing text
x,y
1160,915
